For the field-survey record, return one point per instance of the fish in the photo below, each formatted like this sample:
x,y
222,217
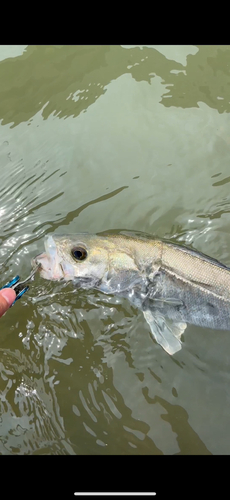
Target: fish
x,y
171,284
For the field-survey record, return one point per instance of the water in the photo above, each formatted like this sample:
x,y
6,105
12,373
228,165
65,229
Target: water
x,y
96,138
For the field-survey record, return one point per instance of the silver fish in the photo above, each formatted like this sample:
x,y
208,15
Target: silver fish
x,y
171,284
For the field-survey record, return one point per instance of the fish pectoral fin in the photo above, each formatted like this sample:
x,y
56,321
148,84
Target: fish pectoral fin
x,y
165,331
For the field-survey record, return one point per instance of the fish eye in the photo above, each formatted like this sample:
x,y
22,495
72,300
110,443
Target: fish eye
x,y
79,253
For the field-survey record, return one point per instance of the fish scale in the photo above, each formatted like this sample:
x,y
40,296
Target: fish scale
x,y
194,268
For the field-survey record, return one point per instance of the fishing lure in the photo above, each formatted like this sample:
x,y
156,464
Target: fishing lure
x,y
18,286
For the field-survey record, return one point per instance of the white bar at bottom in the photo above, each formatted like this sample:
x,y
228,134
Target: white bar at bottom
x,y
95,494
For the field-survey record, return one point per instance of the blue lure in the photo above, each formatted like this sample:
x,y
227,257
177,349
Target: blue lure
x,y
18,286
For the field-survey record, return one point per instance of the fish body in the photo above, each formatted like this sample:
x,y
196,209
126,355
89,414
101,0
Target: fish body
x,y
172,285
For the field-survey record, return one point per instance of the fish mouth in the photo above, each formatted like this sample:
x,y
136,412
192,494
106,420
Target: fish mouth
x,y
52,265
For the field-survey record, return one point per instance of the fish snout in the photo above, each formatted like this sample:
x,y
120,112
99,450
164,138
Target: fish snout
x,y
53,265
50,262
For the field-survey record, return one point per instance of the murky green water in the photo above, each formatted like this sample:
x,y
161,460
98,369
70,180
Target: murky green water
x,y
111,137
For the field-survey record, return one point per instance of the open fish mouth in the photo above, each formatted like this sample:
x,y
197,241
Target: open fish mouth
x,y
52,265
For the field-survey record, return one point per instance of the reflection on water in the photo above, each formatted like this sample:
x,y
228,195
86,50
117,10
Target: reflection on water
x,y
66,80
101,138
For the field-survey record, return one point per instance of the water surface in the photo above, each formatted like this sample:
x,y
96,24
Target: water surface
x,y
110,137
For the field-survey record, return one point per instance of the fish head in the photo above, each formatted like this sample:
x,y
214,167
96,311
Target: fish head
x,y
91,261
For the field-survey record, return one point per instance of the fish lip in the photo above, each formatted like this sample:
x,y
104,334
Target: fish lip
x,y
49,244
50,261
57,270
54,266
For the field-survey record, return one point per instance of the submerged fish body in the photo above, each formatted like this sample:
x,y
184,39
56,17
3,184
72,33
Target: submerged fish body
x,y
171,284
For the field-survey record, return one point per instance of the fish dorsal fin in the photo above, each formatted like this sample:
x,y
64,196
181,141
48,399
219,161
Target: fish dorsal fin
x,y
165,331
